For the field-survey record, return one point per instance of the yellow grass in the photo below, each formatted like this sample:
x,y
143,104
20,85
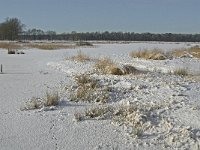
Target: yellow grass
x,y
10,45
80,57
156,54
194,51
49,46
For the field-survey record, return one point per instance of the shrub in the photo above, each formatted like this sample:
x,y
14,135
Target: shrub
x,y
104,65
52,99
116,71
87,89
82,43
128,69
155,54
33,103
80,57
48,46
181,72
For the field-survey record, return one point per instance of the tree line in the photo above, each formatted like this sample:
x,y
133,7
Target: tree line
x,y
13,29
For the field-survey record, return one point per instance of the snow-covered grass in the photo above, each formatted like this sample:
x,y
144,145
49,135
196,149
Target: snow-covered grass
x,y
146,107
80,57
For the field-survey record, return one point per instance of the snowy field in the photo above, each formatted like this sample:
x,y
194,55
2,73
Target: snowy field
x,y
170,121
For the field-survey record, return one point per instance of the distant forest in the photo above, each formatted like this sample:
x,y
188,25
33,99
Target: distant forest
x,y
13,29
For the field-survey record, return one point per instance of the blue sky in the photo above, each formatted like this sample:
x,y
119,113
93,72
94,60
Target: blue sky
x,y
157,16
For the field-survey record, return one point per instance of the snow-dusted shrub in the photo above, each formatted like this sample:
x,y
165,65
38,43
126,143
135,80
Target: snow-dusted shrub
x,y
33,103
181,72
104,65
87,89
155,54
52,99
116,71
81,57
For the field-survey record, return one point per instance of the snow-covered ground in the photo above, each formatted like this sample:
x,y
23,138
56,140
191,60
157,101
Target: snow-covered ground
x,y
39,71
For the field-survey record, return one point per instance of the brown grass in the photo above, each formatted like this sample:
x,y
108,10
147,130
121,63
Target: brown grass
x,y
87,89
52,99
194,51
104,65
155,54
181,72
10,45
48,46
81,57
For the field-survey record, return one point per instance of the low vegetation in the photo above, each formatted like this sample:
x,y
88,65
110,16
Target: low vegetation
x,y
80,57
83,43
155,54
10,46
88,89
181,72
106,66
48,46
140,117
51,99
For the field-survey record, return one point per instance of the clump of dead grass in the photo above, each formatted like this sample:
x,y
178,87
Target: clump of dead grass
x,y
84,43
181,72
33,103
189,52
48,46
137,116
107,66
10,45
51,99
87,89
81,57
155,54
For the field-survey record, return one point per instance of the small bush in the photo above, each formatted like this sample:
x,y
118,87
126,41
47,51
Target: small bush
x,y
48,46
155,54
116,71
33,103
80,57
127,69
104,65
181,72
81,43
102,112
87,89
52,99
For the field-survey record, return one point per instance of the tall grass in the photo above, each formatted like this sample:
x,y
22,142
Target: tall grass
x,y
155,54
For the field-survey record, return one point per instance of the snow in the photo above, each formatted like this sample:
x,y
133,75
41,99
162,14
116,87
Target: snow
x,y
39,71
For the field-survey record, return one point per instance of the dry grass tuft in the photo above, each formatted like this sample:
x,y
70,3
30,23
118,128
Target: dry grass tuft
x,y
48,46
81,57
52,99
155,54
33,103
139,117
128,69
190,52
82,43
195,51
87,89
104,65
116,71
181,72
10,45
